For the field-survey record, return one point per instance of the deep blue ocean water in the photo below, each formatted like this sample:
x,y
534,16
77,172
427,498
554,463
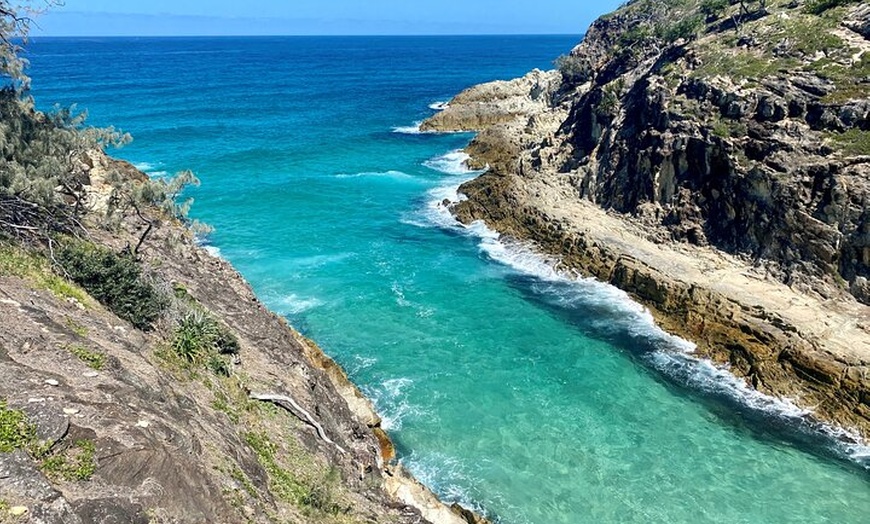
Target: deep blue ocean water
x,y
531,396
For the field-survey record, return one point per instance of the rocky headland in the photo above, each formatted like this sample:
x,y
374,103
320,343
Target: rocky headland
x,y
712,159
208,409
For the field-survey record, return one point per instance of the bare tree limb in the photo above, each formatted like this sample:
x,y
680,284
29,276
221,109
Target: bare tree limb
x,y
296,409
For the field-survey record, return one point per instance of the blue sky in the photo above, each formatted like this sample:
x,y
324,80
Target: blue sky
x,y
318,17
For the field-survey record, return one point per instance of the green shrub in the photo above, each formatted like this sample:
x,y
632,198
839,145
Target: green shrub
x,y
15,431
714,8
687,29
218,365
639,34
115,280
574,69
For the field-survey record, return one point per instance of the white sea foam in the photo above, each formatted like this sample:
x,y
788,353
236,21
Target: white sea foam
x,y
366,174
293,304
360,363
318,261
399,293
439,106
390,399
410,130
144,166
415,130
213,251
452,163
436,213
447,476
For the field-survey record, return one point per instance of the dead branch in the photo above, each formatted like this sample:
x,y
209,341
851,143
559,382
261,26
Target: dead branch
x,y
294,408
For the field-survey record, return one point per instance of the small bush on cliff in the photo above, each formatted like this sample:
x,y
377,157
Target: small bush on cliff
x,y
714,9
199,339
574,69
115,280
685,29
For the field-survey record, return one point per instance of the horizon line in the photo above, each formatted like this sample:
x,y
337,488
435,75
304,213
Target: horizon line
x,y
380,35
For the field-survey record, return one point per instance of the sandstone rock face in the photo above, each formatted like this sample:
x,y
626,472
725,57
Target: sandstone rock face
x,y
752,151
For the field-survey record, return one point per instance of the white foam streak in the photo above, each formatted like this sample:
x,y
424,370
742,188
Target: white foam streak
x,y
410,130
439,106
447,476
375,174
293,304
452,163
213,251
390,400
144,166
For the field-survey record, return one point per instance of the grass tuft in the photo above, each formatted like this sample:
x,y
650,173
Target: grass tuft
x,y
15,431
17,262
92,359
76,463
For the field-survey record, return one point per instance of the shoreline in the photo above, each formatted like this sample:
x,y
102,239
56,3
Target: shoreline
x,y
398,483
756,344
680,361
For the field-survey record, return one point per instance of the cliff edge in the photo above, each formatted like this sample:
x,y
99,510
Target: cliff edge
x,y
711,158
144,382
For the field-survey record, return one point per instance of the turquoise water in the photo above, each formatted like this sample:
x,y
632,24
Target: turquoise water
x,y
533,397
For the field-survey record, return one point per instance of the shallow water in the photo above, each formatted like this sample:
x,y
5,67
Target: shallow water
x,y
534,397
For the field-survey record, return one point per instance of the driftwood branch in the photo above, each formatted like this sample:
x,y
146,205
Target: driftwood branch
x,y
293,407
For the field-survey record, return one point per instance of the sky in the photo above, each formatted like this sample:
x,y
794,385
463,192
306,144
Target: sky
x,y
317,17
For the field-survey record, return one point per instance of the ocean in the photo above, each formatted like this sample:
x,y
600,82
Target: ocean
x,y
532,396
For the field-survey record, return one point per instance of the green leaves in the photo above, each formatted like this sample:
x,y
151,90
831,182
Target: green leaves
x,y
115,280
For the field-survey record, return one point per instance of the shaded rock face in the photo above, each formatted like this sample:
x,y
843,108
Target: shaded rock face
x,y
771,194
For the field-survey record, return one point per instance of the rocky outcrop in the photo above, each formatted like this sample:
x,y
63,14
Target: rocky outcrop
x,y
494,103
734,169
125,433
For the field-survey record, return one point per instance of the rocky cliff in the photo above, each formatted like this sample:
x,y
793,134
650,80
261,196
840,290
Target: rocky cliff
x,y
712,159
105,420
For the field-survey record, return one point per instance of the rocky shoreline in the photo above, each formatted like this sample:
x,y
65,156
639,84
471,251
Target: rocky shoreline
x,y
696,204
166,441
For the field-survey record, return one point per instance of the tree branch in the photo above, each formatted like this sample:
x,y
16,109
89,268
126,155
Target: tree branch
x,y
296,409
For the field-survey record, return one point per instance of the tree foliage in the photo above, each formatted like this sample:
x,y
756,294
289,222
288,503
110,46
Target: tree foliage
x,y
15,20
116,280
